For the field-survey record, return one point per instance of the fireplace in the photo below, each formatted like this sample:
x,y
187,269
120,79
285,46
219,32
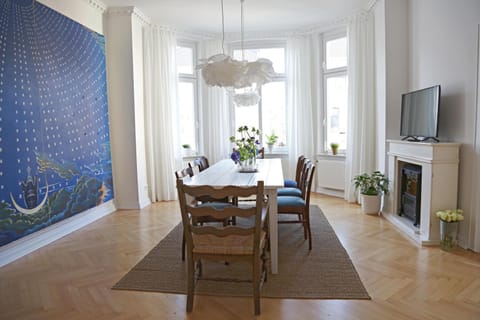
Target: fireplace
x,y
411,194
432,172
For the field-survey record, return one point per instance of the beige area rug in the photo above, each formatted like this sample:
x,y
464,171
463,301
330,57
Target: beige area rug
x,y
324,273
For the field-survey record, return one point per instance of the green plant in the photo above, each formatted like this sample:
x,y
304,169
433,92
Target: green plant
x,y
271,138
371,184
246,144
186,146
334,145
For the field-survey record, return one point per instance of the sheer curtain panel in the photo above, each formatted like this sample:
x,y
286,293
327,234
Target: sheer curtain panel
x,y
216,113
360,155
300,64
160,116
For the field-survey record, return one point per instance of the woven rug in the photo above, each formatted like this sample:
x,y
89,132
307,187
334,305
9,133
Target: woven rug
x,y
326,272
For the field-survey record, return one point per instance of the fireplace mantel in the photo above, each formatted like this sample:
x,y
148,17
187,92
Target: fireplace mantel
x,y
439,162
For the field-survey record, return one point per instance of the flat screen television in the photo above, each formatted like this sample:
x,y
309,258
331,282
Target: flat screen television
x,y
419,118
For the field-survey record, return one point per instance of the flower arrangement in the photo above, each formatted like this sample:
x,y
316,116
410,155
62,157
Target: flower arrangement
x,y
246,144
450,215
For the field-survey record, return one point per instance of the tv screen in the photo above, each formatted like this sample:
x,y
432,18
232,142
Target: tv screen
x,y
419,118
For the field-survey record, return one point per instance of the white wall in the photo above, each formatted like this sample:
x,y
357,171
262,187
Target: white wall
x,y
443,50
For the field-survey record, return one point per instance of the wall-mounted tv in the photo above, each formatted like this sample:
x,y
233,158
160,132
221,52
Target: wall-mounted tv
x,y
419,118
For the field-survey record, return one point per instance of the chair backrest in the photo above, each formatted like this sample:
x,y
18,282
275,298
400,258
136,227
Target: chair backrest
x,y
307,183
185,172
220,236
298,172
261,153
201,162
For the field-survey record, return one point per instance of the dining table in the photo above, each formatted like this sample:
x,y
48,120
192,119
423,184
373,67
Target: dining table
x,y
227,173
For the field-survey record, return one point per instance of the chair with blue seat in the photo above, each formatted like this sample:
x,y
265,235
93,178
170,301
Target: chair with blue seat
x,y
241,243
299,206
295,191
288,183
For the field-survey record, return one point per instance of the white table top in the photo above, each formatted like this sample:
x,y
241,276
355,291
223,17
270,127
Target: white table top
x,y
225,172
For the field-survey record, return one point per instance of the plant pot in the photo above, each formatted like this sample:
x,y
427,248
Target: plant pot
x,y
371,204
334,151
270,148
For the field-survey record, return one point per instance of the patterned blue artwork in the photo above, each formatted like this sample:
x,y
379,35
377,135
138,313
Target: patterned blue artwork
x,y
54,133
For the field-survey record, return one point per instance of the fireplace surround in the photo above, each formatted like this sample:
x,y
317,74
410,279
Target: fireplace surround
x,y
437,188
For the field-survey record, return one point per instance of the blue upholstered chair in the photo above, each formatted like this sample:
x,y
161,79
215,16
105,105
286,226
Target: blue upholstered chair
x,y
299,206
288,183
295,191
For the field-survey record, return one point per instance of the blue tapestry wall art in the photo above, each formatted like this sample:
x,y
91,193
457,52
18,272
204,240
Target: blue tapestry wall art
x,y
55,157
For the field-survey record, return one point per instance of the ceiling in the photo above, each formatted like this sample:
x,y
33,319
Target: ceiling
x,y
260,15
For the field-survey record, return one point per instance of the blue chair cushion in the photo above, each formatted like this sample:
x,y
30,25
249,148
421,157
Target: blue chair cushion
x,y
289,201
294,192
290,183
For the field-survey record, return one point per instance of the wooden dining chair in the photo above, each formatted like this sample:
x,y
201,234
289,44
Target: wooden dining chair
x,y
201,162
299,206
224,243
188,173
294,183
298,190
261,153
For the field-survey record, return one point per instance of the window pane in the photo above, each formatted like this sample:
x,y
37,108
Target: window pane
x,y
186,104
273,111
336,53
337,99
184,60
276,55
246,116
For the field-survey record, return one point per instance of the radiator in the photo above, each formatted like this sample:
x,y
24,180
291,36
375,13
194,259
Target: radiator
x,y
331,173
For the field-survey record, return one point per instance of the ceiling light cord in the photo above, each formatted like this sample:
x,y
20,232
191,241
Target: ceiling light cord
x,y
223,29
242,28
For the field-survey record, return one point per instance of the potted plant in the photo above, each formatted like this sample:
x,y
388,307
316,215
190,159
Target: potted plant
x,y
372,187
334,147
271,140
186,149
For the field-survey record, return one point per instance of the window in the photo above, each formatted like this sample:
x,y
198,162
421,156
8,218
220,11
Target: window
x,y
187,94
269,114
335,91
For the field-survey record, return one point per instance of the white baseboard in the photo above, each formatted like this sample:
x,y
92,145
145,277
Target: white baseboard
x,y
21,247
331,192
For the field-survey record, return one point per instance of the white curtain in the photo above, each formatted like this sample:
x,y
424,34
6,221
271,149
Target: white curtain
x,y
160,113
301,57
215,113
360,156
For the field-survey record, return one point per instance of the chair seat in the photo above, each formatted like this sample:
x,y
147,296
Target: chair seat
x,y
232,245
216,205
289,201
290,183
294,192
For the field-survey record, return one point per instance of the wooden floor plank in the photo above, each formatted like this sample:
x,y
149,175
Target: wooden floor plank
x,y
71,278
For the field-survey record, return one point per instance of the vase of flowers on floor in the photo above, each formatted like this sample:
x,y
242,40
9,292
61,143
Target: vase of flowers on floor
x,y
245,150
449,220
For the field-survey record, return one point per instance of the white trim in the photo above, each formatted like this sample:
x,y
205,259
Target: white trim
x,y
21,247
100,6
473,238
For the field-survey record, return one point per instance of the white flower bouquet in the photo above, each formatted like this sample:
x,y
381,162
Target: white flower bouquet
x,y
450,215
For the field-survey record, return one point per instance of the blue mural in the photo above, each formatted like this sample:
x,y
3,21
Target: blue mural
x,y
54,133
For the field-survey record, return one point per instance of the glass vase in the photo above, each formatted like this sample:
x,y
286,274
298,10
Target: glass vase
x,y
448,235
248,165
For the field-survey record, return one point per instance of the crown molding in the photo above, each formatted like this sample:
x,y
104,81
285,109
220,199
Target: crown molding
x,y
129,11
98,5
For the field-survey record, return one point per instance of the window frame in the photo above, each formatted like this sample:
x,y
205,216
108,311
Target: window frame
x,y
330,73
278,77
193,79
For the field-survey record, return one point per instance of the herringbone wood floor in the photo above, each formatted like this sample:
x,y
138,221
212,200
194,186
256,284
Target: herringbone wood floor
x,y
71,278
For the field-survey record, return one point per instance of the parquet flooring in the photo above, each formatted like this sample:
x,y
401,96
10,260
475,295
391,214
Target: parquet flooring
x,y
72,277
